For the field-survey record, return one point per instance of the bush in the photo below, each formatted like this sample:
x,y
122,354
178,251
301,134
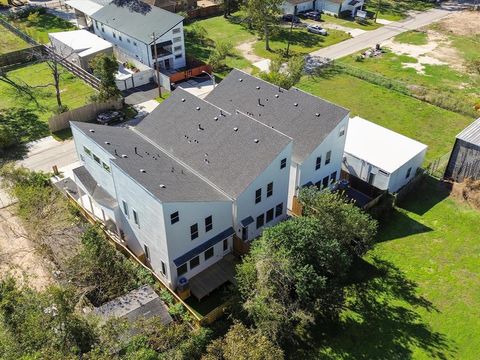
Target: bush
x,y
25,12
219,55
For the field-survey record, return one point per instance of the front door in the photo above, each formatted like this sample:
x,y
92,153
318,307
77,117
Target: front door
x,y
245,233
167,63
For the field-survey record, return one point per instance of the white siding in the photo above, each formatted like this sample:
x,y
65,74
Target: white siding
x,y
362,169
398,179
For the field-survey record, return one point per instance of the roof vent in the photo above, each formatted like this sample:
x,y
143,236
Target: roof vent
x,y
91,130
172,170
276,95
206,161
295,104
215,118
142,171
107,142
258,87
317,114
200,127
235,129
124,156
116,153
162,186
256,141
240,79
183,100
206,154
198,108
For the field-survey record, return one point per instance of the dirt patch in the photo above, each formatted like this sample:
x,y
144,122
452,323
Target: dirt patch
x,y
465,23
246,49
468,191
19,256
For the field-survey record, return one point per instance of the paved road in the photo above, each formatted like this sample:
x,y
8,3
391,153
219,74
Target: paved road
x,y
370,38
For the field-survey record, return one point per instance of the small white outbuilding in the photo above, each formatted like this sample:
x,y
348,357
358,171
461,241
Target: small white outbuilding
x,y
381,157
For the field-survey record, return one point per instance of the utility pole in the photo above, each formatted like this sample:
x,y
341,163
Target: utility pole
x,y
291,30
378,9
156,65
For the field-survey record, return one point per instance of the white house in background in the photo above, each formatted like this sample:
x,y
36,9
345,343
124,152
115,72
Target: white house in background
x,y
317,127
381,157
84,10
332,7
179,185
79,46
131,28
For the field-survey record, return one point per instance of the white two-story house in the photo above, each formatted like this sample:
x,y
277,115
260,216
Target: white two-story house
x,y
318,128
137,29
332,7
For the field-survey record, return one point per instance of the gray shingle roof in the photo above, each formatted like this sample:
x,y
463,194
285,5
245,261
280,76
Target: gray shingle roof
x,y
277,109
230,150
160,169
471,133
99,194
139,20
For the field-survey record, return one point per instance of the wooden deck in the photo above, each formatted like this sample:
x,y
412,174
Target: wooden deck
x,y
213,277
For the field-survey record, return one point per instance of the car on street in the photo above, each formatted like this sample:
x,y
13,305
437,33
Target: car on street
x,y
314,15
317,29
290,18
110,117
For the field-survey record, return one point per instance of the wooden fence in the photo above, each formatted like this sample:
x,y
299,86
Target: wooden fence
x,y
20,56
203,12
86,113
404,191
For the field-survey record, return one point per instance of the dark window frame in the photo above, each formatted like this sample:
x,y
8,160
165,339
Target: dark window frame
x,y
269,215
318,163
283,163
258,196
182,269
194,231
197,258
269,189
208,256
174,217
260,221
279,210
208,223
328,157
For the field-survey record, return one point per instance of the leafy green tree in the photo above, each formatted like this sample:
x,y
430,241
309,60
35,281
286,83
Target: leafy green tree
x,y
219,55
18,126
283,75
104,68
263,15
242,343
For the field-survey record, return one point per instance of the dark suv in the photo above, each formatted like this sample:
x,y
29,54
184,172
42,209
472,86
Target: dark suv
x,y
110,117
290,18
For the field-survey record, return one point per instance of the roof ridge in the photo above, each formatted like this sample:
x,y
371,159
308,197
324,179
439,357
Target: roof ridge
x,y
265,125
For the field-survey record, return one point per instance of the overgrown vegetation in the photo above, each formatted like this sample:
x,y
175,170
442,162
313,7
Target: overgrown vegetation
x,y
285,76
18,126
104,68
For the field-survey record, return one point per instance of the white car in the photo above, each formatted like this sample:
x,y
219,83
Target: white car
x,y
317,29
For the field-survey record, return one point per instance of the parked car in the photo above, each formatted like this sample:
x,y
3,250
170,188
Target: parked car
x,y
290,18
317,29
314,15
110,117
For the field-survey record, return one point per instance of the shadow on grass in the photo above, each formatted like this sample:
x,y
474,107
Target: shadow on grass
x,y
398,225
381,320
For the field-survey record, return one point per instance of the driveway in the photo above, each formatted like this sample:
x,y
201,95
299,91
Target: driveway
x,y
141,94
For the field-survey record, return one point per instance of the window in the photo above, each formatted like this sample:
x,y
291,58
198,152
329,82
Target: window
x,y
182,269
408,173
164,269
325,182
82,158
260,221
178,56
279,210
269,215
177,48
114,35
283,163
135,217
176,30
146,250
174,217
258,196
194,231
177,39
128,40
120,37
134,43
342,131
106,167
327,158
87,151
103,29
96,158
318,164
194,262
96,24
125,208
208,253
333,177
208,223
371,178
270,189
225,245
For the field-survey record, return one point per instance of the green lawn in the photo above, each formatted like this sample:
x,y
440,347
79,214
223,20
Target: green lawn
x,y
302,42
74,92
413,37
395,10
367,25
39,30
411,117
10,42
417,295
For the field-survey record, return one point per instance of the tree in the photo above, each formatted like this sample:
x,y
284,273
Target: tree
x,y
284,75
105,67
221,51
242,343
230,6
19,126
263,14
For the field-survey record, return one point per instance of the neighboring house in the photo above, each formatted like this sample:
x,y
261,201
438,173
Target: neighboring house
x,y
179,185
317,127
173,5
131,28
381,157
79,46
84,10
465,158
332,7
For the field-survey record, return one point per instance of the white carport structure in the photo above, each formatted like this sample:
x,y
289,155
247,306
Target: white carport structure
x,y
85,8
381,157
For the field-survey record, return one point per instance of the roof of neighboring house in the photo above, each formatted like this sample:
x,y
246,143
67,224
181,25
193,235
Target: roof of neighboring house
x,y
230,150
471,133
143,302
307,119
380,146
88,7
82,42
162,175
138,20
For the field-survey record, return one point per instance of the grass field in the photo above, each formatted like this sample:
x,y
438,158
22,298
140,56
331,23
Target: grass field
x,y
74,92
413,37
411,117
10,42
395,10
417,295
47,23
